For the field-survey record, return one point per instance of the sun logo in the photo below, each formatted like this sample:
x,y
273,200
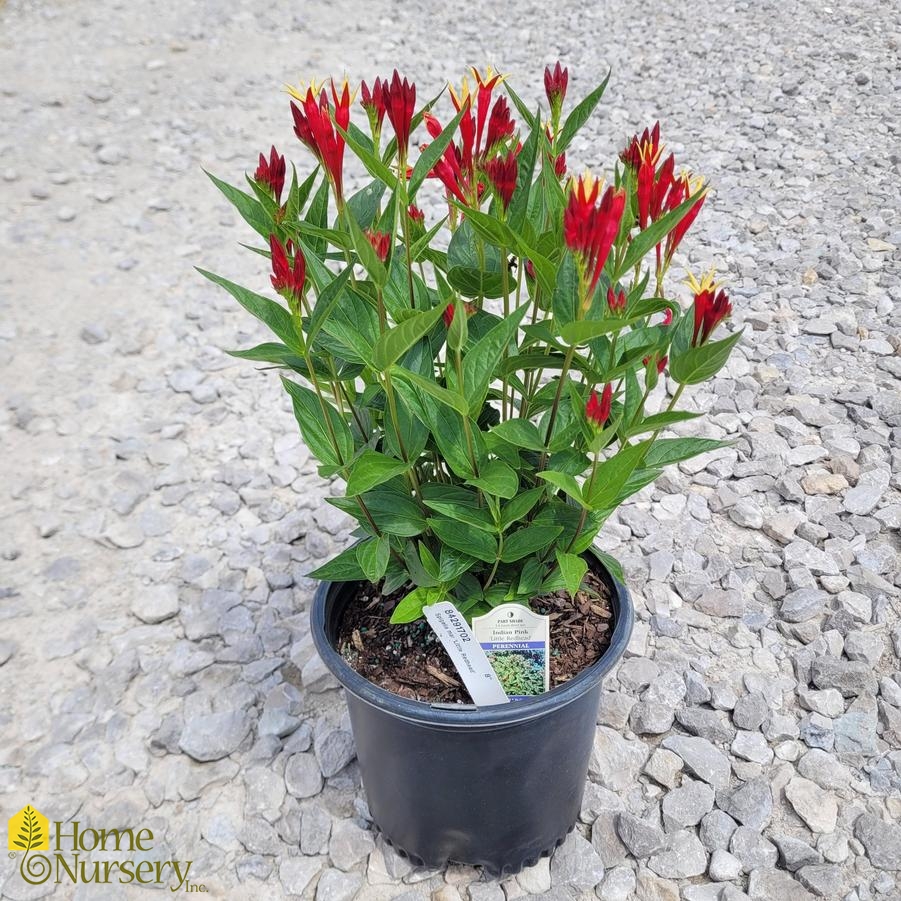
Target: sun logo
x,y
29,830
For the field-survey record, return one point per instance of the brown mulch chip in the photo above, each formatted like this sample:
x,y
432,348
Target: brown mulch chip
x,y
408,659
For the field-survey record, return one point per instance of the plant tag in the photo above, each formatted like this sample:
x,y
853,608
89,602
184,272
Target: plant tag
x,y
516,641
472,664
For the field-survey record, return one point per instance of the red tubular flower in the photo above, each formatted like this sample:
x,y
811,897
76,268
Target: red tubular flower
x,y
659,363
373,102
598,411
560,165
647,143
314,122
590,228
502,172
555,82
616,301
667,317
380,241
682,188
644,191
500,125
400,99
711,307
287,281
486,84
449,169
271,174
416,214
559,161
449,315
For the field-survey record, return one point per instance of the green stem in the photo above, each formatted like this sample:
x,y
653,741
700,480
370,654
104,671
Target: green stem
x,y
405,202
552,419
506,289
584,514
493,573
467,431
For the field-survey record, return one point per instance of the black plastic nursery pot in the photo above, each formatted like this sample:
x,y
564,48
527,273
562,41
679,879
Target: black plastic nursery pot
x,y
497,787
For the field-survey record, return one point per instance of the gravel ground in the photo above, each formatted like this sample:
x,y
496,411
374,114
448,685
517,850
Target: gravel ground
x,y
158,509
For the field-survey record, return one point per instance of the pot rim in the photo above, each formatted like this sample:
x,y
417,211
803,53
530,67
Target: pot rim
x,y
463,716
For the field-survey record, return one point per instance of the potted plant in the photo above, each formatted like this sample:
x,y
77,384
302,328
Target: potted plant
x,y
486,386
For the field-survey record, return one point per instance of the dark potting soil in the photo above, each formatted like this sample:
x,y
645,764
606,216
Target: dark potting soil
x,y
408,659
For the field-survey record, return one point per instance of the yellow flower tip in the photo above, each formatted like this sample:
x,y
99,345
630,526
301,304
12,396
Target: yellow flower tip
x,y
344,86
584,185
707,282
304,87
463,96
693,183
489,79
648,154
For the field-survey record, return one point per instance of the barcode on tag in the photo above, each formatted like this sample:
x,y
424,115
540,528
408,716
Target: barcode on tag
x,y
471,662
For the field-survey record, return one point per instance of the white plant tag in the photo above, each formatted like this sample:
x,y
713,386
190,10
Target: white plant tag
x,y
472,664
516,641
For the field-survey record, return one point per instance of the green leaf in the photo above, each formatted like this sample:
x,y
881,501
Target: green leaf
x,y
458,332
267,311
476,282
519,203
250,209
390,505
698,364
481,360
311,414
457,503
432,154
565,482
521,433
343,568
326,301
365,203
317,216
520,506
428,561
410,607
645,240
611,564
374,166
449,398
660,421
463,250
665,451
530,118
271,352
366,252
565,296
371,469
352,323
398,340
472,542
497,478
298,195
612,474
418,573
580,114
453,564
583,331
372,555
573,569
528,540
424,243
